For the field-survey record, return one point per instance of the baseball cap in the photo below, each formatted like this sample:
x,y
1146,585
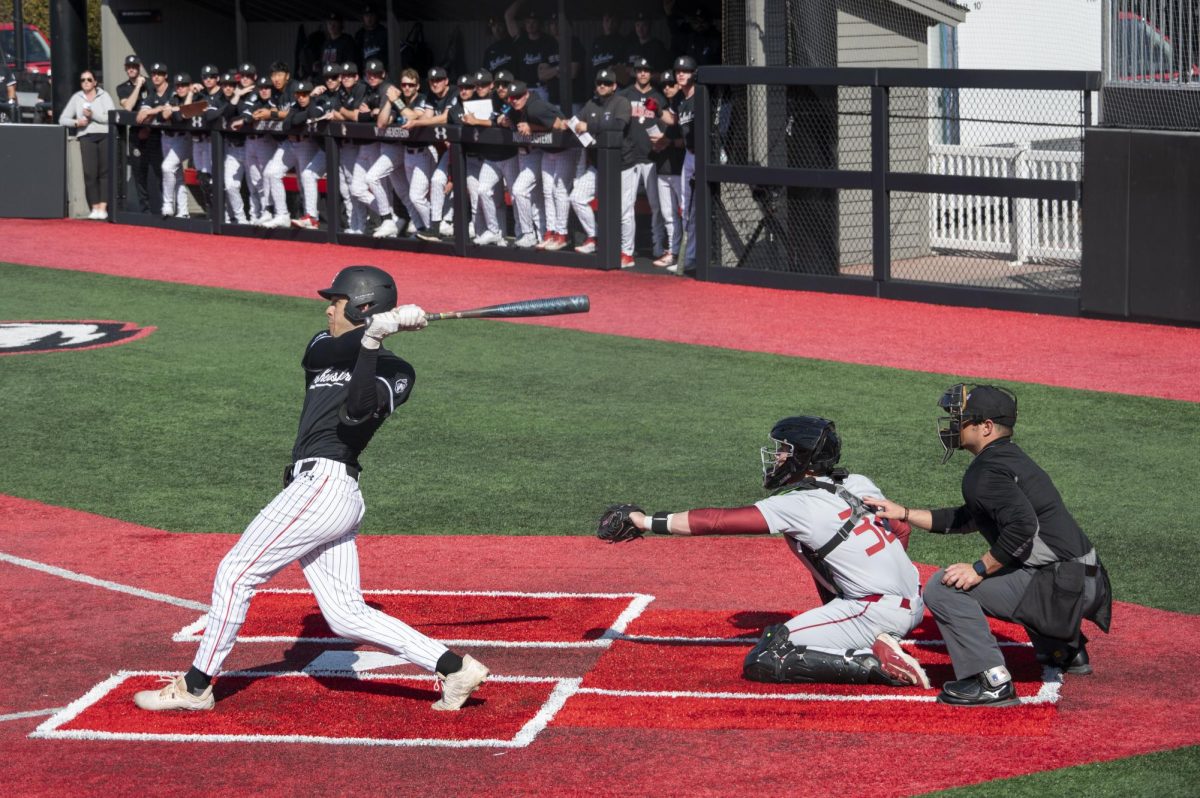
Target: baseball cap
x,y
642,16
182,78
517,89
247,70
158,67
685,63
989,402
606,75
303,87
349,68
132,60
641,63
333,16
466,82
209,71
483,77
229,79
369,9
532,14
331,71
264,83
504,76
667,78
374,67
436,73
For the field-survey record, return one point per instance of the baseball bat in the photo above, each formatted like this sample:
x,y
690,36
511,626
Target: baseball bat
x,y
550,306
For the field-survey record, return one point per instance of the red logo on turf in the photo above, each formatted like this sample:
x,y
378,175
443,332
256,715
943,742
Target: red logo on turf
x,y
23,337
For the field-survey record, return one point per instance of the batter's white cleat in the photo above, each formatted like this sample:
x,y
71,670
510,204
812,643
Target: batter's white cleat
x,y
175,696
458,686
898,663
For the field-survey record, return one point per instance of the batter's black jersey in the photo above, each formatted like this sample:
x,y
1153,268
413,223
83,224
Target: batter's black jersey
x,y
644,117
325,430
1015,506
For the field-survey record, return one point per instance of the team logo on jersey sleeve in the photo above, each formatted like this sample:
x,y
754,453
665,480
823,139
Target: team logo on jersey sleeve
x,y
401,386
25,337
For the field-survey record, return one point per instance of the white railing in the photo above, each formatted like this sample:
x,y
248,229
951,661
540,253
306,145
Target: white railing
x,y
1020,228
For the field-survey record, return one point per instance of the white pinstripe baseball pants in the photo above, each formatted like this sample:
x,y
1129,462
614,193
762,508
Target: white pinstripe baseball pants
x,y
283,160
670,199
259,152
558,176
441,204
175,150
526,192
314,521
235,160
582,194
638,177
689,207
310,164
418,171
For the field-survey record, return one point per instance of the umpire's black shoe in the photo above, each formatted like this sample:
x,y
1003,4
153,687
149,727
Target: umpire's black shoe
x,y
992,688
1071,660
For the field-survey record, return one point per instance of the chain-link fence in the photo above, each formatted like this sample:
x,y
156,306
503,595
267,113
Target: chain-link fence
x,y
1151,64
811,171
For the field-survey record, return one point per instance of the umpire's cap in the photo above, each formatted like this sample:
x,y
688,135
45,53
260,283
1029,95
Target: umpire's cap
x,y
685,63
369,290
985,402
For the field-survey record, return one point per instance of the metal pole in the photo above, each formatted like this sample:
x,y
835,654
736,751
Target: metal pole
x,y
239,31
18,52
702,193
564,59
881,200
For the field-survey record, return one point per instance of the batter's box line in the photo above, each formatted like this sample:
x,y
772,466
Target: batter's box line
x,y
563,689
638,602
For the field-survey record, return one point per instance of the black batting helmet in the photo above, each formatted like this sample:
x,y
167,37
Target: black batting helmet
x,y
368,289
799,444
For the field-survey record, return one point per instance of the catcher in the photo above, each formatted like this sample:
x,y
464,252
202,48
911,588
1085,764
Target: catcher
x,y
859,562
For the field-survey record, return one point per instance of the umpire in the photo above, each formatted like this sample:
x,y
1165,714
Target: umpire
x,y
1040,569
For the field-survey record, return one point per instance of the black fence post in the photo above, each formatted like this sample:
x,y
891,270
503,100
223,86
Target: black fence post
x,y
881,202
216,196
333,188
702,191
116,166
462,198
608,200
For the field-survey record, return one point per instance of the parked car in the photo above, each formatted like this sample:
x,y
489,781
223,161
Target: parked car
x,y
37,48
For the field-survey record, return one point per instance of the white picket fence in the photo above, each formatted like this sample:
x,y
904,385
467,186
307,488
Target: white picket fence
x,y
1024,229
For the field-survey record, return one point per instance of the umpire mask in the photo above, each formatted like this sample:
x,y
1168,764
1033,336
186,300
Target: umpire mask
x,y
949,426
970,404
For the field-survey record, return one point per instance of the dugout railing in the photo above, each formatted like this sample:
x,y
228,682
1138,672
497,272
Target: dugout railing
x,y
607,148
838,180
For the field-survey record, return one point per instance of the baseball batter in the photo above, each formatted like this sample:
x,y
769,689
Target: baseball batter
x,y
352,385
860,564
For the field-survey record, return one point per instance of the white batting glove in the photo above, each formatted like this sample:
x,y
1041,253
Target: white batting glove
x,y
380,326
410,318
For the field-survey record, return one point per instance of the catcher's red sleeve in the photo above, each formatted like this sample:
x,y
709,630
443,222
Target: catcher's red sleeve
x,y
901,529
728,521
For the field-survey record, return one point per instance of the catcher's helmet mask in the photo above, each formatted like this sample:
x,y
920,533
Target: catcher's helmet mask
x,y
806,443
368,290
955,403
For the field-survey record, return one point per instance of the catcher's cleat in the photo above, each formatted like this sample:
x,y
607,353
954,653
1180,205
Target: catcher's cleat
x,y
992,688
898,663
174,696
1071,660
458,686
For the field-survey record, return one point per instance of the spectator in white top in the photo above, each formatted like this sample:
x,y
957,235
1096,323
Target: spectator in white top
x,y
87,113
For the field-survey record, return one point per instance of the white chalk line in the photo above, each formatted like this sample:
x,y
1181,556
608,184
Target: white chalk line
x,y
34,713
117,587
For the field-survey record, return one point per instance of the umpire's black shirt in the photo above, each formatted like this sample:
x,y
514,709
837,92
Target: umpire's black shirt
x,y
1015,506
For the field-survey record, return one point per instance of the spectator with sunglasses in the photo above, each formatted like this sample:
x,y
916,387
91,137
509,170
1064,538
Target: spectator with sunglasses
x,y
87,112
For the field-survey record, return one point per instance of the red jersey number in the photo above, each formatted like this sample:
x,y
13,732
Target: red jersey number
x,y
869,524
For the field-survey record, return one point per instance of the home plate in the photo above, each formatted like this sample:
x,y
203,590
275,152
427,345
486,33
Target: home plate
x,y
353,662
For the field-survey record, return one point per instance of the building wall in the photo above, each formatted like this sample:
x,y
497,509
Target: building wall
x,y
880,35
187,38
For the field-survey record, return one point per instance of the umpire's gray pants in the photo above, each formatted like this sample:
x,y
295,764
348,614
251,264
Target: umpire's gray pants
x,y
961,616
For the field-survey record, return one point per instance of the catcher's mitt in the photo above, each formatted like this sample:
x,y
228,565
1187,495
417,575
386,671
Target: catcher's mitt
x,y
615,526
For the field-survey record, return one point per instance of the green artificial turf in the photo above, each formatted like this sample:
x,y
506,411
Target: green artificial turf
x,y
1166,774
517,429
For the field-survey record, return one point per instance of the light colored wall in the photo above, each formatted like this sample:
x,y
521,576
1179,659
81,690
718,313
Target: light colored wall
x,y
187,38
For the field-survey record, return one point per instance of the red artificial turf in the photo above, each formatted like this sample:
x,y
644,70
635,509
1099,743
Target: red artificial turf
x,y
1121,357
508,618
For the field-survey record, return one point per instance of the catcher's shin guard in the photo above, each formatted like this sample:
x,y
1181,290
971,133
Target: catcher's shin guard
x,y
774,659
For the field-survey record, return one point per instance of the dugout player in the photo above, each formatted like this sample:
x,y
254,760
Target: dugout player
x,y
352,385
235,90
1031,536
646,105
871,590
682,113
145,147
667,153
210,92
529,114
176,148
439,100
605,111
